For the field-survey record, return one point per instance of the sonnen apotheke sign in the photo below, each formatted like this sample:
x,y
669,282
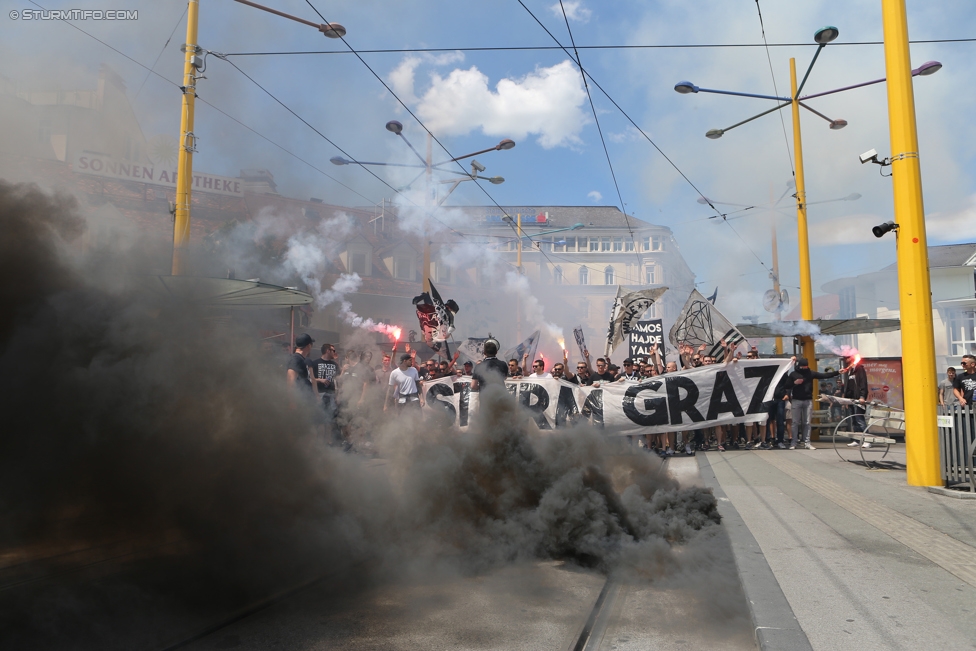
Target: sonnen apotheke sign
x,y
106,166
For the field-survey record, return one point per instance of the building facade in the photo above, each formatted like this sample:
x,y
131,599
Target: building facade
x,y
952,269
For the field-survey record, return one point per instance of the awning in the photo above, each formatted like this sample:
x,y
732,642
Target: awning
x,y
225,292
835,327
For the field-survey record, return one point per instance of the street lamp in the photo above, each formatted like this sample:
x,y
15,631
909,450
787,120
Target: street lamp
x,y
428,168
822,37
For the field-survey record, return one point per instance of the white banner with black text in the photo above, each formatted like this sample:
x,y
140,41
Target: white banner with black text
x,y
717,394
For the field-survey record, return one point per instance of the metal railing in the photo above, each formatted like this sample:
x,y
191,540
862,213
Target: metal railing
x,y
957,445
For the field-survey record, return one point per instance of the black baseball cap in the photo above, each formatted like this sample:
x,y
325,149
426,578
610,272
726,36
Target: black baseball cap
x,y
303,340
802,361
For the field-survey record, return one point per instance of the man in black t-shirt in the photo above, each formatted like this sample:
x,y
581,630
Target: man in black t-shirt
x,y
325,370
297,368
489,371
603,373
965,383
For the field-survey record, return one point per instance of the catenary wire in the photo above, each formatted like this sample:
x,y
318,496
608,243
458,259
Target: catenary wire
x,y
161,50
423,126
526,48
227,115
642,132
214,107
769,59
408,110
599,129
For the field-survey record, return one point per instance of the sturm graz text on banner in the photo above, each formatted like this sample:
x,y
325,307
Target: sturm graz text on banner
x,y
707,396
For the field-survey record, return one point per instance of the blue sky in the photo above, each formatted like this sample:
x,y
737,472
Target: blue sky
x,y
472,99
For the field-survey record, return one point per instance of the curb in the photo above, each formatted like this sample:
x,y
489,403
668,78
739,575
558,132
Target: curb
x,y
775,625
949,492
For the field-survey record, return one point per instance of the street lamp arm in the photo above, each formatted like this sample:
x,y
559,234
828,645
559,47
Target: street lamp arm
x,y
332,30
732,92
927,68
477,153
339,160
454,160
809,68
421,158
754,117
840,90
816,112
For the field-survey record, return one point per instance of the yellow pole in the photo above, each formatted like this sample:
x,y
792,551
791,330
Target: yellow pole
x,y
806,292
428,188
184,167
917,339
776,287
518,264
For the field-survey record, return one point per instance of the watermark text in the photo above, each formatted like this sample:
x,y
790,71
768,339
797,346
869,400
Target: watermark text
x,y
74,14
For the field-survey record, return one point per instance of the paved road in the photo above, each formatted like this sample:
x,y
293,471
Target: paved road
x,y
865,561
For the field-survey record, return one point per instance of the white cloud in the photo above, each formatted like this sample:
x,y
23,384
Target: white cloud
x,y
403,76
575,11
952,226
594,195
547,102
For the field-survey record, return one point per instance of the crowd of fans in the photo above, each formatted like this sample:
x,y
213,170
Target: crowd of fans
x,y
350,380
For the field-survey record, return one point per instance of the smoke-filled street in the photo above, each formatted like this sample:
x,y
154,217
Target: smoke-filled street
x,y
516,325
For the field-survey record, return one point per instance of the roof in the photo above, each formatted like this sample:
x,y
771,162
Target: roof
x,y
947,255
223,292
560,216
835,327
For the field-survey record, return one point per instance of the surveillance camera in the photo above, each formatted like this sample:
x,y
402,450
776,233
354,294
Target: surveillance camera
x,y
478,167
870,156
881,229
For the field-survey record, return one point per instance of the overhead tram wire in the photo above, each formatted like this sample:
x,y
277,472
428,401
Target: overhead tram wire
x,y
599,129
214,107
782,120
643,133
163,49
420,122
527,48
234,119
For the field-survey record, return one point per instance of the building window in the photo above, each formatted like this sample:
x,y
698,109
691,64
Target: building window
x,y
484,279
962,332
443,273
604,243
594,244
848,303
357,263
584,308
654,243
557,275
44,130
629,245
561,245
580,241
402,269
618,244
650,275
584,276
608,278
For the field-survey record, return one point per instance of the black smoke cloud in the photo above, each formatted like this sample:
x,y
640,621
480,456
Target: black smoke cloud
x,y
130,419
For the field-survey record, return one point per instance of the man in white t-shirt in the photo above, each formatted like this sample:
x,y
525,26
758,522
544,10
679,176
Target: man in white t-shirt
x,y
405,386
539,371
